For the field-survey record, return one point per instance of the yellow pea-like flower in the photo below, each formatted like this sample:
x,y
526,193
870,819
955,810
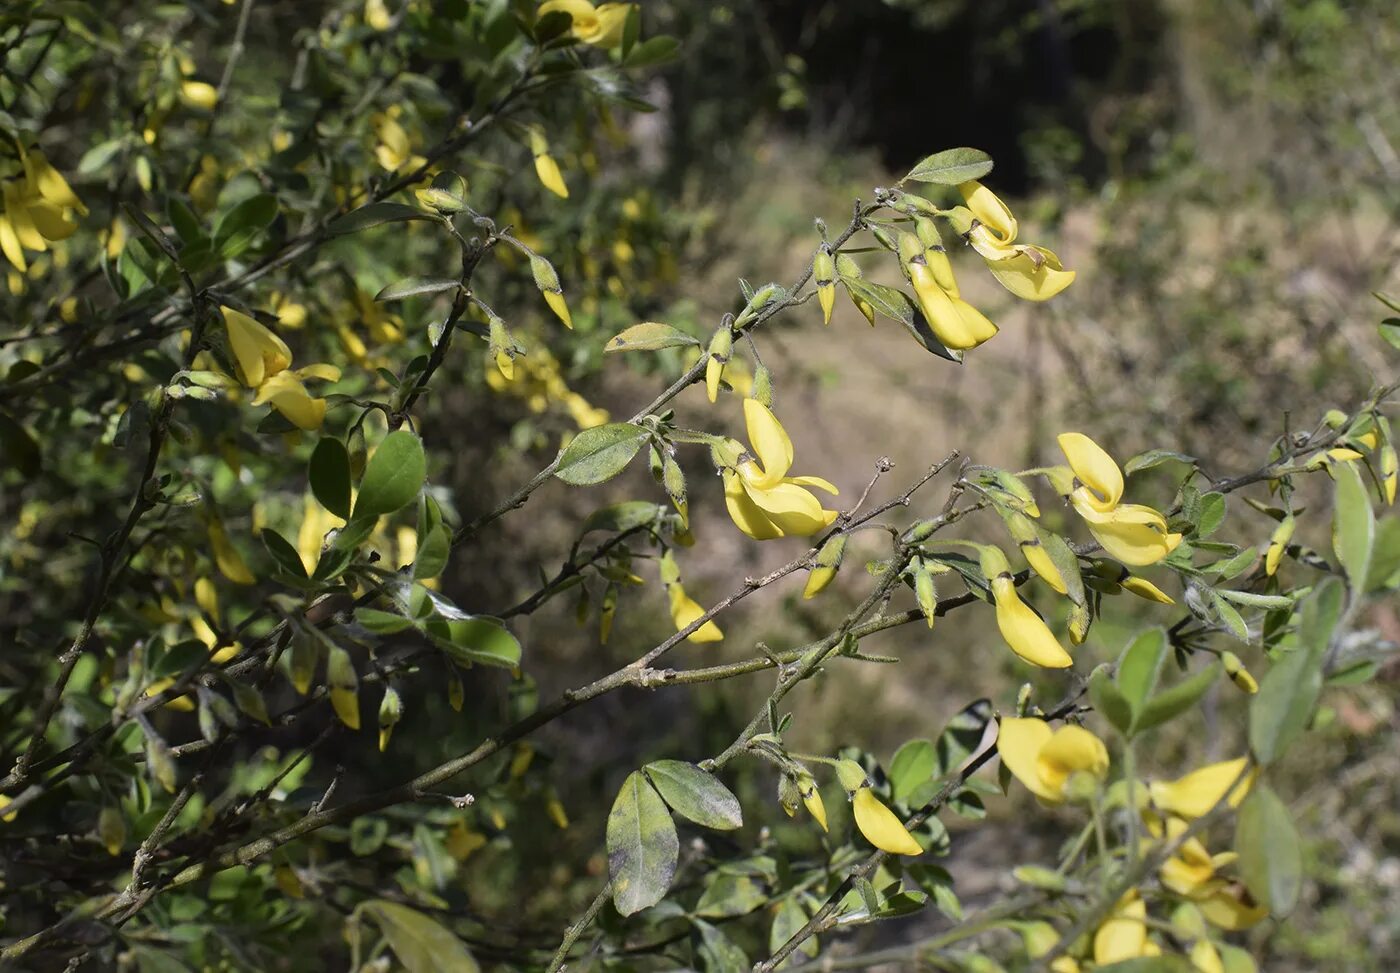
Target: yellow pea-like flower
x,y
763,501
1199,791
1047,761
956,323
599,26
1024,631
824,274
812,799
881,826
546,168
685,610
1229,906
258,353
198,94
1132,533
1146,589
1123,935
1031,273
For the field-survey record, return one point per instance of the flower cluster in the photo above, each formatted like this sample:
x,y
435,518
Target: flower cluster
x,y
38,209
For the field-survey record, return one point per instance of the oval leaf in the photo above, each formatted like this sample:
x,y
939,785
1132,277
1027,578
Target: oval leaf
x,y
1178,699
415,286
394,475
600,453
1354,526
1140,666
649,336
375,214
642,846
421,944
911,767
329,473
242,224
1280,711
952,166
695,794
1270,850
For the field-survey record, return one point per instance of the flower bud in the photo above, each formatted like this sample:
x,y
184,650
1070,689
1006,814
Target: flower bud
x,y
850,774
720,346
1238,674
824,273
827,563
390,712
1278,543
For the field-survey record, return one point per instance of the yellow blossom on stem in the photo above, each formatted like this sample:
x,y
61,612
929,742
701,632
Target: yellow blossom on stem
x,y
1228,905
546,168
1135,534
258,353
286,392
812,798
763,500
1023,630
1199,791
600,26
956,323
1049,761
1123,935
881,826
685,609
1030,272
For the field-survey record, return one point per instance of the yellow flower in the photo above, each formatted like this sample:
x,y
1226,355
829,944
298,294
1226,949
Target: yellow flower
x,y
1134,534
1199,791
1190,872
546,168
762,499
1123,935
1023,630
226,557
257,352
600,26
198,94
48,184
881,826
1239,675
812,798
1048,761
1230,906
286,393
1030,272
1205,957
1146,589
377,15
956,323
394,151
685,609
1390,473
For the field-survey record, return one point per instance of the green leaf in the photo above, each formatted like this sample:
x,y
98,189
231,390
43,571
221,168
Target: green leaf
x,y
415,287
394,475
1109,701
1211,514
241,225
642,846
1385,555
329,473
727,896
1270,850
600,453
790,917
374,214
1140,666
622,517
1230,616
1252,600
911,767
1390,330
1320,616
1155,457
433,552
420,943
649,336
1354,525
896,305
1280,711
695,794
952,166
962,736
283,553
652,51
717,952
382,622
476,639
1179,698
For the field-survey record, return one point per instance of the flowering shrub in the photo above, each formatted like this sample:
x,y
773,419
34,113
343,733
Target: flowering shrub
x,y
210,604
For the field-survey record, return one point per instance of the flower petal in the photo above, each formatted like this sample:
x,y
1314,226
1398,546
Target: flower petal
x,y
684,610
1124,935
1093,466
1031,278
1137,545
1019,742
769,439
989,210
814,481
881,827
1073,749
1199,791
258,352
1024,630
744,512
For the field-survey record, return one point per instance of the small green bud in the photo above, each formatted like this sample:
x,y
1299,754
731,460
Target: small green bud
x,y
850,774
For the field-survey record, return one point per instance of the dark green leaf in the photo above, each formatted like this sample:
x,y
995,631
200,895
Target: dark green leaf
x,y
241,225
394,475
283,553
1270,850
600,453
1140,667
695,794
952,166
329,473
642,846
1390,331
374,214
421,944
961,737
